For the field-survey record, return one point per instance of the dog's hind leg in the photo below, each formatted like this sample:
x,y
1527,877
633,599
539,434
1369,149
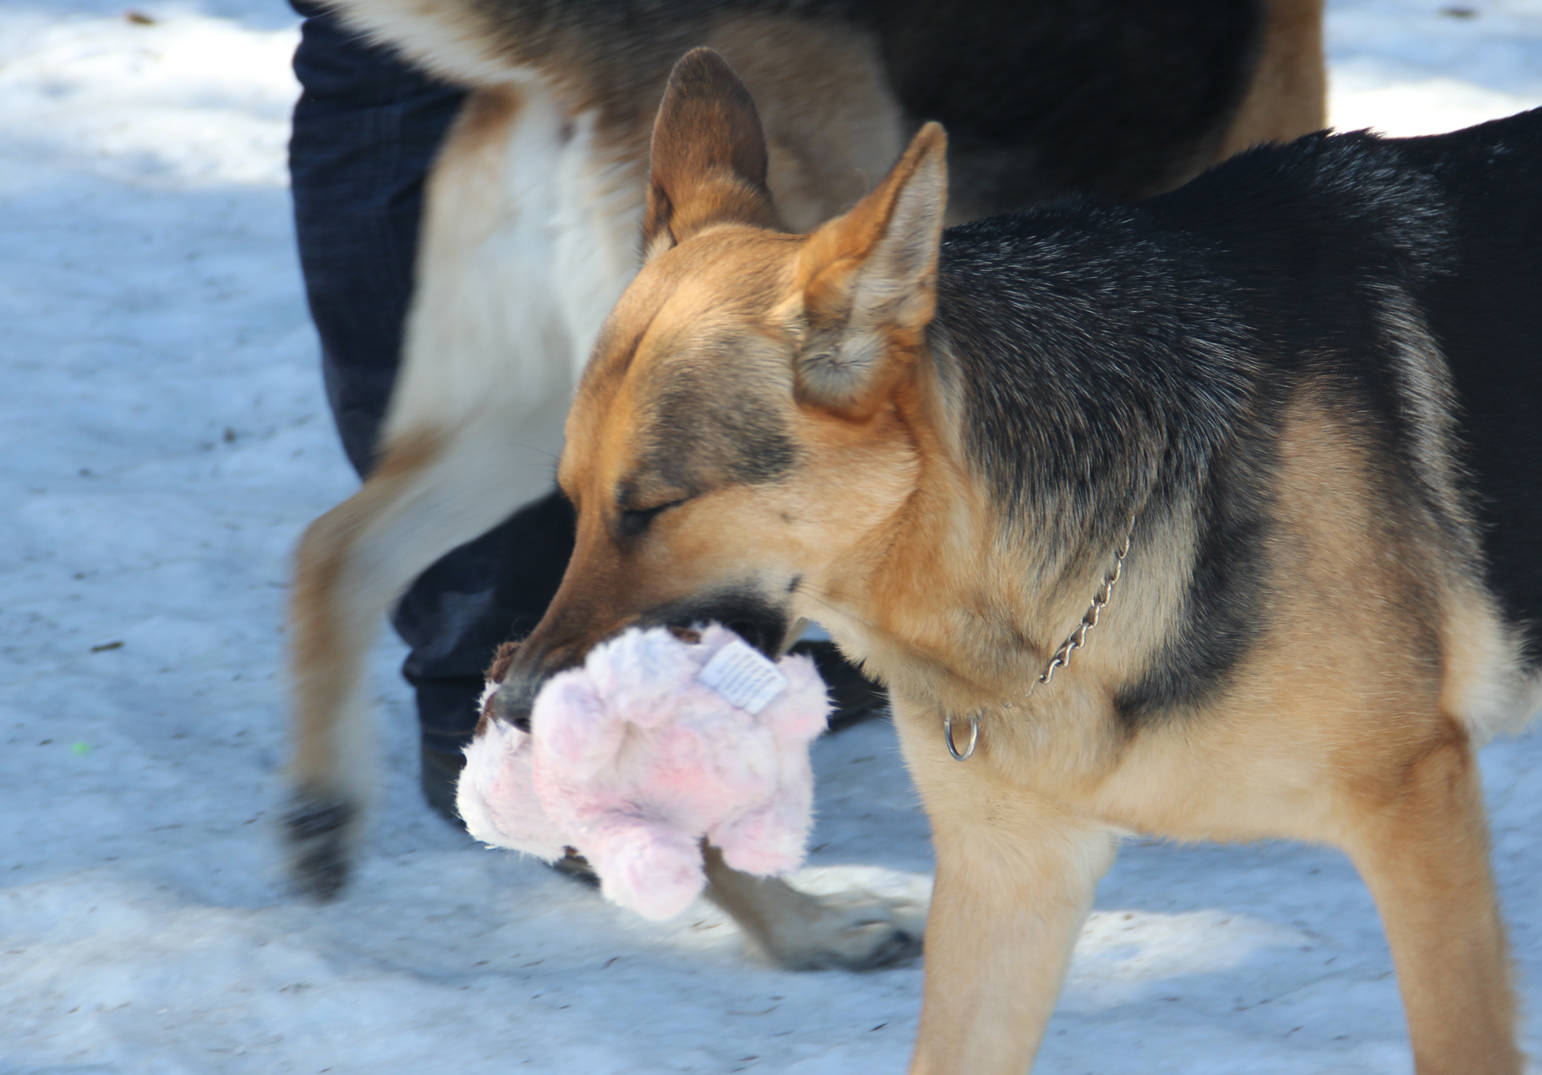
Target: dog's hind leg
x,y
1422,848
433,490
496,335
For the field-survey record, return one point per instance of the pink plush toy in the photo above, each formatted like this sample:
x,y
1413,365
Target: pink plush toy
x,y
654,744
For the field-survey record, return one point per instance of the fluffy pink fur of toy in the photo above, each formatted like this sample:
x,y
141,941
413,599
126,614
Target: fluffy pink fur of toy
x,y
633,759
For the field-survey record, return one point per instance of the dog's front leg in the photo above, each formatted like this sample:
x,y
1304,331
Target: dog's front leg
x,y
1015,879
1420,840
803,932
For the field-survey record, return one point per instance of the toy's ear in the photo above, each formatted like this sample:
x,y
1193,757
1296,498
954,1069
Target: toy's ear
x,y
708,159
647,867
867,284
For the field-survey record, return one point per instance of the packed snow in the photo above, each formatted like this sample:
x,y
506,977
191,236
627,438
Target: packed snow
x,y
164,439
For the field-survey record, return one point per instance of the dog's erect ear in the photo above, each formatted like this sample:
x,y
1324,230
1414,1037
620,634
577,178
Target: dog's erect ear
x,y
867,284
708,161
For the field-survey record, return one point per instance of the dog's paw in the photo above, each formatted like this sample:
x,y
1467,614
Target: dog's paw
x,y
319,830
860,935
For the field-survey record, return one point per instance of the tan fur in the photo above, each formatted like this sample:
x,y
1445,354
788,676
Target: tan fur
x,y
480,127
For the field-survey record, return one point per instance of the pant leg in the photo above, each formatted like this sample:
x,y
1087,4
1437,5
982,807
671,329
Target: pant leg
x,y
366,128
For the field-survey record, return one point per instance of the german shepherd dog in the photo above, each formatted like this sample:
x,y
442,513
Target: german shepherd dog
x,y
530,235
1210,517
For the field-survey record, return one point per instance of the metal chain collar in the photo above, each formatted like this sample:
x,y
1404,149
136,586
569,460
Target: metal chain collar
x,y
1059,659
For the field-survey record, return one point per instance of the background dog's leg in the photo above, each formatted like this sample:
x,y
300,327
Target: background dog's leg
x,y
803,932
1014,884
1423,851
500,324
432,490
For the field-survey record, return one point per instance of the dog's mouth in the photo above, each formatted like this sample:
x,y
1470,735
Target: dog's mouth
x,y
513,690
743,612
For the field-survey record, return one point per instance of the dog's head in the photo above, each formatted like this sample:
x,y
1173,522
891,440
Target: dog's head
x,y
744,442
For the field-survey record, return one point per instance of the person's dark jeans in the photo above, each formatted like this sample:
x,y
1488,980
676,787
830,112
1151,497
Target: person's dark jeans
x,y
366,129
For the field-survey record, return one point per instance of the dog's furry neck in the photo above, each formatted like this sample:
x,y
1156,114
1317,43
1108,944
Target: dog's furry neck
x,y
1091,373
1081,380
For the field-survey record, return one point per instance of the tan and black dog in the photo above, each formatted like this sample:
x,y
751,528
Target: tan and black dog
x,y
530,235
1210,517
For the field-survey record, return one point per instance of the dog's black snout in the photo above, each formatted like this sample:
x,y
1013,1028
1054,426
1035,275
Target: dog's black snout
x,y
520,680
514,702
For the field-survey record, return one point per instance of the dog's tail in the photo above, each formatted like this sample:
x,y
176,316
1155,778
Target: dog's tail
x,y
614,46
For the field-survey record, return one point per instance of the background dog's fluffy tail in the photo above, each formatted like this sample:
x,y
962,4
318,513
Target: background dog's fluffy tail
x,y
618,45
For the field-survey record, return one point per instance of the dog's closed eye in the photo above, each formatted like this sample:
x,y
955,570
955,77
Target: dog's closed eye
x,y
633,521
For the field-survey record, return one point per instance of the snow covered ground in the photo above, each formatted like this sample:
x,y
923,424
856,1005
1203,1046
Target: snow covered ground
x,y
163,440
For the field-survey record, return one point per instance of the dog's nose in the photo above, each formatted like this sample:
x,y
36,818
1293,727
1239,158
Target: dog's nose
x,y
520,678
513,702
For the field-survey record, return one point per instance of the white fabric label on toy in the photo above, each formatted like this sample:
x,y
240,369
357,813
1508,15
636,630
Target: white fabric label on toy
x,y
743,676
